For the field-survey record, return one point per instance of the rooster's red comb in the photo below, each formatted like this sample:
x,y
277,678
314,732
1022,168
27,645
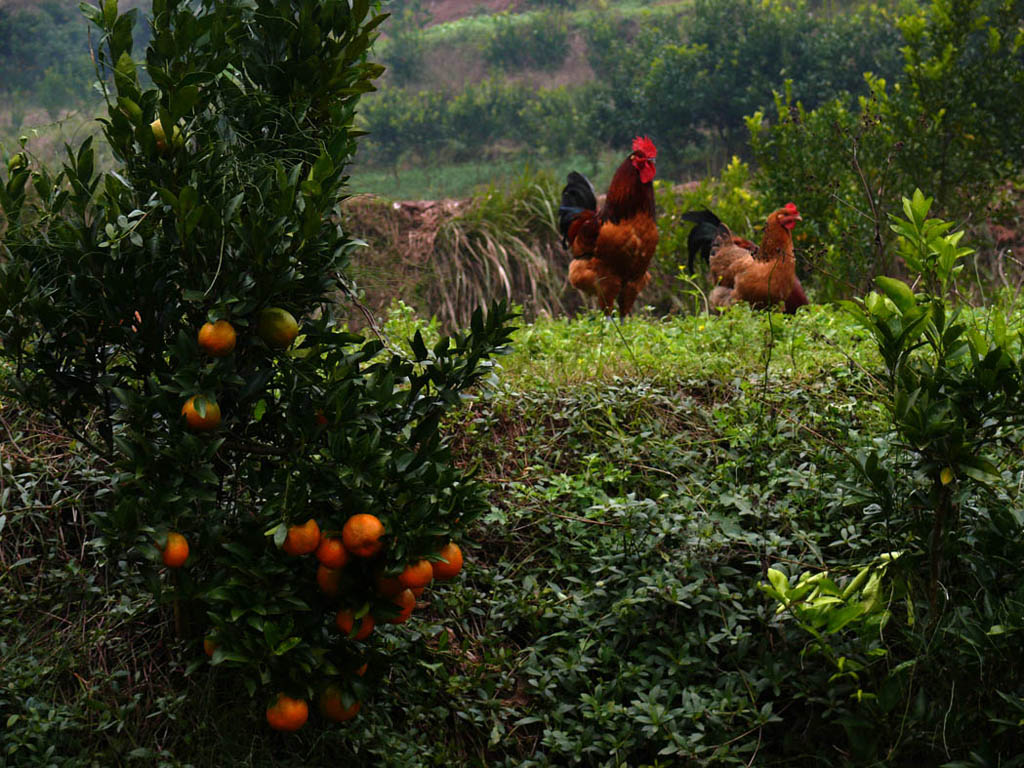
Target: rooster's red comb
x,y
645,146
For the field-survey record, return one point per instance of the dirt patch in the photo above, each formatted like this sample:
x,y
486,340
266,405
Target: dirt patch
x,y
448,10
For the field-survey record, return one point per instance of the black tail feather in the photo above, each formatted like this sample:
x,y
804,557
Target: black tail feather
x,y
577,196
708,227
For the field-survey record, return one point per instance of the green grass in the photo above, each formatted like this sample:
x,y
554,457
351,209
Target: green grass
x,y
460,180
471,29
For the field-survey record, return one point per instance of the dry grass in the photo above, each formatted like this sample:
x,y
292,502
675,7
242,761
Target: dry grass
x,y
447,257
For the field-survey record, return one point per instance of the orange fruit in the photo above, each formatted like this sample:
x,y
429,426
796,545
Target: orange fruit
x,y
302,539
175,553
417,591
287,714
217,339
362,670
346,620
277,327
332,552
406,601
177,140
361,535
198,422
209,645
417,574
332,707
329,580
448,570
387,586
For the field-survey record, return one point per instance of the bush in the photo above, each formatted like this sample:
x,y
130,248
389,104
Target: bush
x,y
226,212
847,163
539,40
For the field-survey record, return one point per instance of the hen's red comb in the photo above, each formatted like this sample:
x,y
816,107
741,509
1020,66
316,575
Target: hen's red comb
x,y
645,146
790,208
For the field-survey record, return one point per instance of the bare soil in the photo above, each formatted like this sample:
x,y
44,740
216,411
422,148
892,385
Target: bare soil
x,y
448,10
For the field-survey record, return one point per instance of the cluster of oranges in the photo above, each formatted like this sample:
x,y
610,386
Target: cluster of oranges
x,y
361,540
278,329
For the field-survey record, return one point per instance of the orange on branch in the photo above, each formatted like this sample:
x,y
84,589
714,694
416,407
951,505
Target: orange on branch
x,y
332,707
387,586
302,539
346,620
332,552
452,564
201,422
217,339
405,601
329,580
162,145
417,574
175,552
277,327
362,535
210,645
287,714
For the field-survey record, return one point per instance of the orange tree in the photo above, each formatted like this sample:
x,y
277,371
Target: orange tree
x,y
231,153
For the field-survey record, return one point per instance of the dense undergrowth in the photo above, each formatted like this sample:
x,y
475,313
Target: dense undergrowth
x,y
644,477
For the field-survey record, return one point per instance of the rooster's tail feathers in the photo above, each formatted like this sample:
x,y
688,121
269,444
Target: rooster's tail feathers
x,y
577,196
707,228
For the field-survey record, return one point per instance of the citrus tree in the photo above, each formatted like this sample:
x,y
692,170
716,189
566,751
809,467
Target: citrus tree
x,y
282,482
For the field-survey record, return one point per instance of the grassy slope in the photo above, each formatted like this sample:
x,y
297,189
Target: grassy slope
x,y
583,428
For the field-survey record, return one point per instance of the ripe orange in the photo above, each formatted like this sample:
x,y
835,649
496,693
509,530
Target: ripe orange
x,y
346,620
417,574
302,539
387,586
332,707
277,327
406,601
196,421
329,580
175,553
217,339
287,714
361,535
417,591
332,552
209,645
451,568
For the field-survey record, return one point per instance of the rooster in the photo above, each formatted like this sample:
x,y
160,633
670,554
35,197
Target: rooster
x,y
612,246
763,276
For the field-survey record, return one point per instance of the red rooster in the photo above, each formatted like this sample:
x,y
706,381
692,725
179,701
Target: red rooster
x,y
612,247
763,276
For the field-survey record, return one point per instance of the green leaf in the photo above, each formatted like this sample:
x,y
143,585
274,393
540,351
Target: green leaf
x,y
898,292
